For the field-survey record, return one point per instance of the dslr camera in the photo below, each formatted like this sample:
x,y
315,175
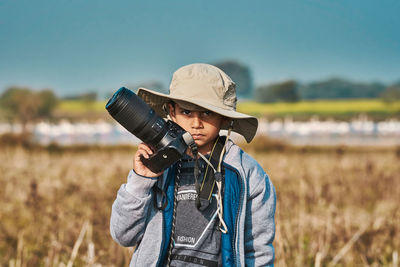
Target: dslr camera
x,y
167,139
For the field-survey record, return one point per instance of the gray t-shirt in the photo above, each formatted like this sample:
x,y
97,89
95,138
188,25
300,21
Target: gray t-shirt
x,y
197,238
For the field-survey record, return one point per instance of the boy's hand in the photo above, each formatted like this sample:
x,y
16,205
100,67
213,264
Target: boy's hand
x,y
138,166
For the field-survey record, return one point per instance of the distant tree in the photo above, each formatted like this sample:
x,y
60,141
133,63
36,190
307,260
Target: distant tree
x,y
265,93
340,88
391,94
48,102
240,74
24,105
19,104
285,91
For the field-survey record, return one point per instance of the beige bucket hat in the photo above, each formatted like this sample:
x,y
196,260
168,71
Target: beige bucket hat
x,y
205,86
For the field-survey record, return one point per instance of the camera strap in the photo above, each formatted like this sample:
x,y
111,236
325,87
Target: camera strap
x,y
208,183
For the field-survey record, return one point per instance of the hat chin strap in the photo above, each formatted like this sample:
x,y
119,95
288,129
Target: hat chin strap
x,y
218,179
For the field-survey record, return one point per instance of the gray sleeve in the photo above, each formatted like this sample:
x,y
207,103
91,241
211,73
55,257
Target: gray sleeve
x,y
260,223
130,209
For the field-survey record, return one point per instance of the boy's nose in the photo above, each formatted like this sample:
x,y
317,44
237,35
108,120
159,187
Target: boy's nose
x,y
196,122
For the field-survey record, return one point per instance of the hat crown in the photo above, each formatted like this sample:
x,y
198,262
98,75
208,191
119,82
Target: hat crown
x,y
205,83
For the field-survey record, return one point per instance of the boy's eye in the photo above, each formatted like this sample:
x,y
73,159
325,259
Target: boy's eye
x,y
186,112
207,113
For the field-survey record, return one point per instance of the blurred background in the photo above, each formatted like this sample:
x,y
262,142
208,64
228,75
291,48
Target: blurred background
x,y
323,77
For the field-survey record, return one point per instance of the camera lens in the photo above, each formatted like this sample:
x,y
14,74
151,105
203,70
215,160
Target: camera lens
x,y
137,117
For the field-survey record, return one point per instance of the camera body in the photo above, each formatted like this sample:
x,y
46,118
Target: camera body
x,y
167,139
169,150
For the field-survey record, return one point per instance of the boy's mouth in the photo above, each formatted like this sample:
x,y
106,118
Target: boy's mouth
x,y
197,136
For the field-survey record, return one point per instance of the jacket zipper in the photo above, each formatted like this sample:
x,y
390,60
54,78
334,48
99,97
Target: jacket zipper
x,y
237,216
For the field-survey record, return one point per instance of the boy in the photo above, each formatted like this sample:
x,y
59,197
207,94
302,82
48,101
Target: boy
x,y
197,212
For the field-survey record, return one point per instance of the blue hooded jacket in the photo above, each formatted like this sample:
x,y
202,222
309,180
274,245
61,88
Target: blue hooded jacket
x,y
249,202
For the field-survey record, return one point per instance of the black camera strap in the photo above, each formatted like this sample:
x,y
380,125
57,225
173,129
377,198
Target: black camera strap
x,y
164,200
208,183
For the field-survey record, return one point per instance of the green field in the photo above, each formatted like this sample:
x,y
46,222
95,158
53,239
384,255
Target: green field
x,y
322,107
81,106
341,109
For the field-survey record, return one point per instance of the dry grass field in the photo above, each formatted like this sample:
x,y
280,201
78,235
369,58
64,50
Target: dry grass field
x,y
335,208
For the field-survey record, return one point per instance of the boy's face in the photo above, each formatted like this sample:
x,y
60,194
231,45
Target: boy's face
x,y
203,125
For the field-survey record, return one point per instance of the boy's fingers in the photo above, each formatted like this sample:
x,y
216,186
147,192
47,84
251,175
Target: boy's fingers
x,y
141,153
146,148
144,154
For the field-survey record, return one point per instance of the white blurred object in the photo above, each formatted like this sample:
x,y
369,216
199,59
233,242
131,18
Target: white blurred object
x,y
360,131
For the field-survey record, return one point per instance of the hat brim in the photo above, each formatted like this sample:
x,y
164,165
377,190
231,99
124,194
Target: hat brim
x,y
244,124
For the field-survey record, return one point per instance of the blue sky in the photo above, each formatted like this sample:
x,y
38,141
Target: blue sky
x,y
76,45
